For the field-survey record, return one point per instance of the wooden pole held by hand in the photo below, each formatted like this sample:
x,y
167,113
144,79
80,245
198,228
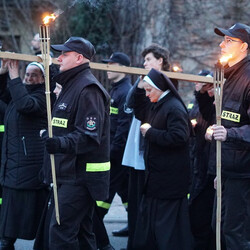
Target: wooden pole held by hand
x,y
218,94
45,49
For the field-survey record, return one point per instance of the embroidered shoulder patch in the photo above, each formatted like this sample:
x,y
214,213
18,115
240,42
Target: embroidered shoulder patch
x,y
62,106
91,123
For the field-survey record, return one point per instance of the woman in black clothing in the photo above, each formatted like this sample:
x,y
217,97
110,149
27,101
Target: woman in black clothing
x,y
164,221
24,194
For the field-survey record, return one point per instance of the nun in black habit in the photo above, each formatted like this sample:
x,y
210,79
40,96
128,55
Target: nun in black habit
x,y
163,221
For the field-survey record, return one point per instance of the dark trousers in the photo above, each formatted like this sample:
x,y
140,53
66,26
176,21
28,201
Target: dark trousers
x,y
135,190
236,227
76,208
119,185
201,211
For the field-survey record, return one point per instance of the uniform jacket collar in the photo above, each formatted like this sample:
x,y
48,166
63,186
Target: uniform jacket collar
x,y
232,70
64,77
116,84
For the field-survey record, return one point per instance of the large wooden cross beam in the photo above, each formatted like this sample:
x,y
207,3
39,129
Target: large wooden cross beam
x,y
115,68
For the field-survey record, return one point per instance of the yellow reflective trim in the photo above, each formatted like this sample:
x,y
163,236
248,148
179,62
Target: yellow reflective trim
x,y
98,167
231,116
125,204
1,128
59,122
103,204
0,201
190,105
114,110
188,196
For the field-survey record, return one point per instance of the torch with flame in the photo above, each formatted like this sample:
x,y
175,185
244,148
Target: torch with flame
x,y
194,123
218,94
45,49
176,68
47,19
224,59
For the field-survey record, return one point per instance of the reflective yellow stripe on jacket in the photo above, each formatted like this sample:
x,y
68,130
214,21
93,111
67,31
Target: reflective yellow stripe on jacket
x,y
114,110
1,128
98,167
103,204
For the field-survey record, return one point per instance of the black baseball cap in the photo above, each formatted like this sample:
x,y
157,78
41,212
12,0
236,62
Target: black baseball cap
x,y
118,57
77,44
238,30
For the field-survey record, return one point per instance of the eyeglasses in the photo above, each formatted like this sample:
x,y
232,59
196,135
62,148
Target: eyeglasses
x,y
228,40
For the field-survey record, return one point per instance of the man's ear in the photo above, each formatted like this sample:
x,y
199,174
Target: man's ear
x,y
244,47
79,58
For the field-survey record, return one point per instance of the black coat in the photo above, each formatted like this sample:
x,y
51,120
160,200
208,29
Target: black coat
x,y
199,152
23,149
235,118
81,122
2,111
166,145
119,120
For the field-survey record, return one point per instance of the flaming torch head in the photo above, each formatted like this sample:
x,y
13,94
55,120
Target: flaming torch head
x,y
194,122
176,68
47,19
224,59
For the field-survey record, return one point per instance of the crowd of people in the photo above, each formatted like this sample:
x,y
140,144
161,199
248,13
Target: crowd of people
x,y
140,142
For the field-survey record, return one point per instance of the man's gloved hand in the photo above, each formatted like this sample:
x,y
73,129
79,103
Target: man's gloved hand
x,y
53,145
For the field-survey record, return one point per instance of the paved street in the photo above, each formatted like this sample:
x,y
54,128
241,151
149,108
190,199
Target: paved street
x,y
115,219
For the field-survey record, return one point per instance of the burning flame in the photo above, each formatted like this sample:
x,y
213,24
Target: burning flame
x,y
176,68
209,131
194,122
225,58
47,19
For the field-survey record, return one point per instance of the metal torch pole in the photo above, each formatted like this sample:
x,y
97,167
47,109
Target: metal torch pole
x,y
45,49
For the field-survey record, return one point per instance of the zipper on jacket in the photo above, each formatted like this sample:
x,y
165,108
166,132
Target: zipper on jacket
x,y
24,146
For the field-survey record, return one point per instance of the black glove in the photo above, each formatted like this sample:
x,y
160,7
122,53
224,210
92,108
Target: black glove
x,y
53,145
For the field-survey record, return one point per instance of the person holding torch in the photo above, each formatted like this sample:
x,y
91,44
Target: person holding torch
x,y
80,143
234,133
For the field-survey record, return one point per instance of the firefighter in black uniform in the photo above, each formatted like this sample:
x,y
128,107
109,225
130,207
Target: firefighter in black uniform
x,y
119,127
80,121
234,133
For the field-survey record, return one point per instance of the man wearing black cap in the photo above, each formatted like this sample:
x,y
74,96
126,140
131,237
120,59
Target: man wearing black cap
x,y
80,143
163,221
119,127
234,134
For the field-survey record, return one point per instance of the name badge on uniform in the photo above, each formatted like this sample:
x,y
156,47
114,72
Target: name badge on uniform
x,y
231,116
59,122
